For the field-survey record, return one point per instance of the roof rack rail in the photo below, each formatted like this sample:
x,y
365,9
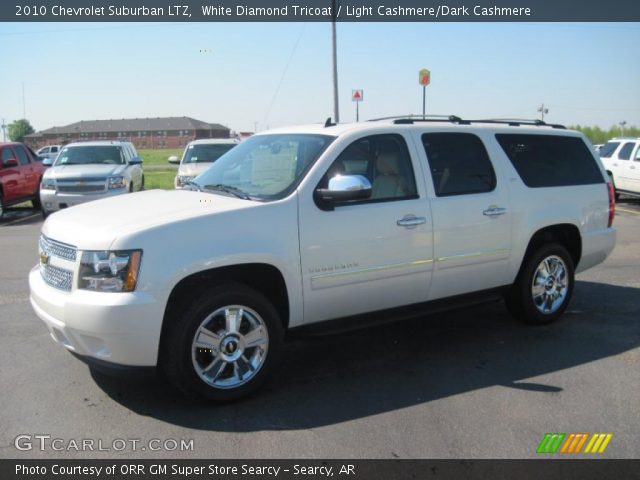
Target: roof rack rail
x,y
413,116
513,122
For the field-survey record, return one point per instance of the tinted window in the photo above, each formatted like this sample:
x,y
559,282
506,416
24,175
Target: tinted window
x,y
625,151
608,148
459,164
384,160
204,152
54,149
85,154
551,160
22,155
7,154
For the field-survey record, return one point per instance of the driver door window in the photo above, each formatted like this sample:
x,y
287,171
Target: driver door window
x,y
384,160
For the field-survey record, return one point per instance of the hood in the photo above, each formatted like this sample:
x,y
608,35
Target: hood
x,y
84,171
193,169
95,225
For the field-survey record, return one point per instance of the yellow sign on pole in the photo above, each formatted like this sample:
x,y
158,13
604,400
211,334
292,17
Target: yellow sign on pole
x,y
424,77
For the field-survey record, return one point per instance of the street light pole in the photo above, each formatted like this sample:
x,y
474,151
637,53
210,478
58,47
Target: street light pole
x,y
334,14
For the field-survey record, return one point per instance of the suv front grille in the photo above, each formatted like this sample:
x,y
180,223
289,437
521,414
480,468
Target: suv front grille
x,y
55,276
81,185
52,248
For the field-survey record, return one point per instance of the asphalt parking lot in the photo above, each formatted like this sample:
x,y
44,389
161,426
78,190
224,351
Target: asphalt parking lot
x,y
470,384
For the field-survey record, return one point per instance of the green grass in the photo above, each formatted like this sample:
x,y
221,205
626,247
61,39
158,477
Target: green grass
x,y
159,178
160,156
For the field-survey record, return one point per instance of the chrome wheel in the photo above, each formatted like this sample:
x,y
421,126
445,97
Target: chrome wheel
x,y
230,346
550,285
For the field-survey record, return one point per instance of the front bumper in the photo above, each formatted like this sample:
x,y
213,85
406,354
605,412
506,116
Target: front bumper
x,y
118,328
52,200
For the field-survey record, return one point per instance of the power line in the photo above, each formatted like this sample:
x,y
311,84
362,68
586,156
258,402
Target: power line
x,y
284,72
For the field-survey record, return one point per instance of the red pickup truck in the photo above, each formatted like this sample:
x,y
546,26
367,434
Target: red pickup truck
x,y
20,174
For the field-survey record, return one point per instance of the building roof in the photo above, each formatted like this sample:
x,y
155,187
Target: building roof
x,y
132,124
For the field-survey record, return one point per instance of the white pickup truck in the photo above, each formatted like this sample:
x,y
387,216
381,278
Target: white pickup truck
x,y
323,225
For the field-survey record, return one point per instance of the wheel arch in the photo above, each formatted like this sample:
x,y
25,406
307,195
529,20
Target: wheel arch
x,y
566,234
262,277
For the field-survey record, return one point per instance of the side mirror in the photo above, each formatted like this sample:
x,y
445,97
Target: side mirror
x,y
344,188
135,161
10,162
47,162
173,159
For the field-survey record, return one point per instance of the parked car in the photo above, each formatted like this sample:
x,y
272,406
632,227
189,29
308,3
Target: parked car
x,y
621,159
50,151
20,175
198,156
89,171
318,226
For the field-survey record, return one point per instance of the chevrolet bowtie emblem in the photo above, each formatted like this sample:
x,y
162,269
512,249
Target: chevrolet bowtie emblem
x,y
44,258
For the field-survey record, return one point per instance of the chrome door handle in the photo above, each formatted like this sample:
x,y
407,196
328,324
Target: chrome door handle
x,y
632,167
411,221
494,211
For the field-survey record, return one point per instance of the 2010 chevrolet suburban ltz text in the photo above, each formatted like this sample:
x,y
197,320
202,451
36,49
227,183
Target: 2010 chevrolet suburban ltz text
x,y
299,226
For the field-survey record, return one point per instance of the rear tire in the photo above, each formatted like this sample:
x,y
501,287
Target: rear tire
x,y
1,206
543,287
224,345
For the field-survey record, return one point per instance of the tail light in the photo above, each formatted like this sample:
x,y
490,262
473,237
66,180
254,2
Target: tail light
x,y
612,203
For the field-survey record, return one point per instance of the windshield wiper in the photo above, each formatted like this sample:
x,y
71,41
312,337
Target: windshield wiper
x,y
191,183
229,189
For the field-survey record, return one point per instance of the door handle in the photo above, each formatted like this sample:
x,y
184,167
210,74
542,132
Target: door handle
x,y
632,167
494,211
411,221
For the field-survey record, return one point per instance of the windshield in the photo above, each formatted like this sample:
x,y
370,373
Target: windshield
x,y
89,154
265,167
206,152
607,149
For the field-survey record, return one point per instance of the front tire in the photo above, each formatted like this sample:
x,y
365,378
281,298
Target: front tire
x,y
224,345
544,286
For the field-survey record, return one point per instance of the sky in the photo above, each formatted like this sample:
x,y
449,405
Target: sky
x,y
255,76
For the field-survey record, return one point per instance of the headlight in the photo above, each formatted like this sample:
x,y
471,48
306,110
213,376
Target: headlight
x,y
182,179
109,271
48,184
116,182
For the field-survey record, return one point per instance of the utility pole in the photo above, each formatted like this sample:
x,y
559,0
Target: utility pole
x,y
334,14
24,109
4,130
542,111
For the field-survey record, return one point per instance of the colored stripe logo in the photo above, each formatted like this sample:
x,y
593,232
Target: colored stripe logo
x,y
573,443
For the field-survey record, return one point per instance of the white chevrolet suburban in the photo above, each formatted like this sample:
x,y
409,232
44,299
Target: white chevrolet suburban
x,y
621,160
318,226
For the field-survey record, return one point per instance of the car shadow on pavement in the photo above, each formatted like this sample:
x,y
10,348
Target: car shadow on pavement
x,y
332,379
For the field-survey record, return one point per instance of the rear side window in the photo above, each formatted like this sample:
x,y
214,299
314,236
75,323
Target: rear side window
x,y
550,160
459,164
625,151
608,148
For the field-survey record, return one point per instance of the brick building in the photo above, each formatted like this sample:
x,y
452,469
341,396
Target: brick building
x,y
167,132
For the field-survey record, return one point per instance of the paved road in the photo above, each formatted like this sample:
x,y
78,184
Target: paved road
x,y
472,384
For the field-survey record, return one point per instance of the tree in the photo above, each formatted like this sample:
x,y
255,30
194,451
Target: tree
x,y
18,129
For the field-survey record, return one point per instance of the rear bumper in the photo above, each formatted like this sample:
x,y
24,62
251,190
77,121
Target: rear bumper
x,y
596,247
